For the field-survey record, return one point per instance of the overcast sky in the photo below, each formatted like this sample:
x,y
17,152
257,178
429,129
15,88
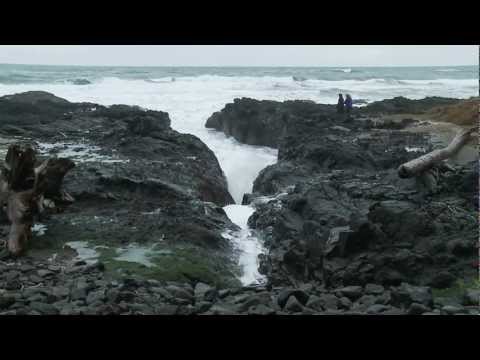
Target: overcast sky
x,y
242,55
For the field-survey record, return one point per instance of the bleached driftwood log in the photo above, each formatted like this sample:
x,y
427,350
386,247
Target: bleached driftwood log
x,y
422,164
23,187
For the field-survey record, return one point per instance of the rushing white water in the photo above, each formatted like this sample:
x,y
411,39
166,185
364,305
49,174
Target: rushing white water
x,y
248,244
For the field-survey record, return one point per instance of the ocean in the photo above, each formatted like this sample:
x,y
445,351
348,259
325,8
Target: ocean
x,y
191,94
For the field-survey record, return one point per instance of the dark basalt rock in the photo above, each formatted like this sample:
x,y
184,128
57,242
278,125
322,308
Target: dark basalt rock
x,y
156,190
264,122
402,105
337,213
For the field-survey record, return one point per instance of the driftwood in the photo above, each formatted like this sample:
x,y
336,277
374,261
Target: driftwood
x,y
421,165
24,185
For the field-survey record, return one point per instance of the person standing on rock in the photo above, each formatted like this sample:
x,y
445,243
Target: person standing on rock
x,y
340,104
348,104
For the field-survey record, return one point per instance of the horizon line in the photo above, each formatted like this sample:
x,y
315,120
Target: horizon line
x,y
244,66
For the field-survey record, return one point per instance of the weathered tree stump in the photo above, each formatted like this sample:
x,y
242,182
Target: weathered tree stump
x,y
24,184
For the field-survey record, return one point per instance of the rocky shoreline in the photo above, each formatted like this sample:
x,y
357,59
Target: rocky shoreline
x,y
333,211
36,288
344,234
139,187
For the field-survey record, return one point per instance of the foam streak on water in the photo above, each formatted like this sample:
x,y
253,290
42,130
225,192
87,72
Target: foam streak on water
x,y
245,241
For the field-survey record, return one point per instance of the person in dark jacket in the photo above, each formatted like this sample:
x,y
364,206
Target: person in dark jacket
x,y
340,104
348,103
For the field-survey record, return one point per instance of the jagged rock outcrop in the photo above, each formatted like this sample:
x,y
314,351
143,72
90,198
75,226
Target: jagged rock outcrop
x,y
333,211
136,183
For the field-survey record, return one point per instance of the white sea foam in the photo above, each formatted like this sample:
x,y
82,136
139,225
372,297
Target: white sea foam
x,y
139,254
39,229
77,152
84,251
415,149
244,240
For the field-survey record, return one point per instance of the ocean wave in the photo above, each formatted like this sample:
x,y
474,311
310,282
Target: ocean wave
x,y
347,70
161,80
447,70
299,78
80,81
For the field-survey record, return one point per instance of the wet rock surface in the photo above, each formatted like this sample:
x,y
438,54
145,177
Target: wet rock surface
x,y
333,211
143,200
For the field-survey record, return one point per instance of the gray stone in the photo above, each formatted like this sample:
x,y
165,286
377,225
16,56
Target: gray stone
x,y
314,302
26,268
329,301
254,300
78,294
336,244
186,310
178,301
293,305
223,293
166,309
60,291
307,311
43,308
202,306
308,288
44,273
418,309
385,298
12,275
374,289
125,296
471,297
37,298
345,303
218,309
394,311
204,292
367,300
162,292
352,292
452,310
95,296
333,312
140,309
377,308
285,294
9,312
13,285
6,301
31,291
261,309
406,294
179,292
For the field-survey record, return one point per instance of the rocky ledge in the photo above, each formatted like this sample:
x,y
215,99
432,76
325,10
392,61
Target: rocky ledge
x,y
333,211
143,201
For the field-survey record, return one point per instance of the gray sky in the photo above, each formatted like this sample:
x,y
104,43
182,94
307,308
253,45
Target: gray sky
x,y
242,55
